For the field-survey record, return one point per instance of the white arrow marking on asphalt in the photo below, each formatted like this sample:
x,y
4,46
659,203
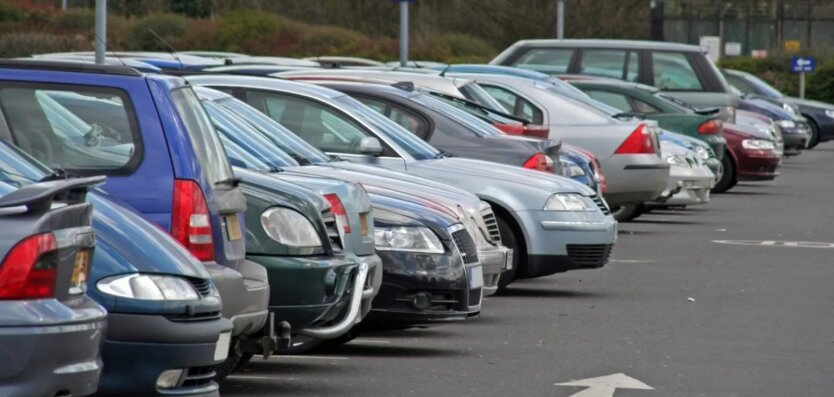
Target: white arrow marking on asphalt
x,y
604,386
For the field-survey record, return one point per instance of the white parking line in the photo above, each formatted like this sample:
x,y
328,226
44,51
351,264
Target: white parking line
x,y
260,377
371,341
632,260
302,357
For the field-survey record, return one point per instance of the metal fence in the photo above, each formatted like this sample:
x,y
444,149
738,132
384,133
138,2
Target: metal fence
x,y
756,24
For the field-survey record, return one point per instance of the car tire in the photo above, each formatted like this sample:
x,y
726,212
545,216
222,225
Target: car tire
x,y
814,139
236,359
728,177
625,213
509,240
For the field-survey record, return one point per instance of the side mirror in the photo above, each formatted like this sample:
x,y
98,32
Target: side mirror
x,y
370,146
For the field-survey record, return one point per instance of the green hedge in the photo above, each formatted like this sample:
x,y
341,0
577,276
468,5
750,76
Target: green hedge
x,y
775,70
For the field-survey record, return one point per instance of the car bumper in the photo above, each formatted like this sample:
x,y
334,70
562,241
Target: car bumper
x,y
559,241
421,289
48,360
687,186
757,165
245,295
634,178
495,260
159,344
794,141
717,143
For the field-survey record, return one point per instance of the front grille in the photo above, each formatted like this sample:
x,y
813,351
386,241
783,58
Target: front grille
x,y
491,225
589,255
186,318
203,286
601,204
466,246
198,376
332,229
428,301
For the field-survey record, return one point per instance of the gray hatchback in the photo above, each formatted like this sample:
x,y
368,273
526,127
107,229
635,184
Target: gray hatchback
x,y
50,331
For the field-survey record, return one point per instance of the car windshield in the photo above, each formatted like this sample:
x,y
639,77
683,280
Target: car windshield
x,y
477,94
404,140
475,124
768,89
17,168
580,97
206,143
278,134
233,129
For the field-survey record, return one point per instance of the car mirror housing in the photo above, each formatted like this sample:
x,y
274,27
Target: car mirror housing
x,y
370,146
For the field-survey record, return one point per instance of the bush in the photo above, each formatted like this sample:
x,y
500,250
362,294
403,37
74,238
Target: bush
x,y
9,13
202,34
25,44
820,84
773,69
259,33
138,36
75,20
328,40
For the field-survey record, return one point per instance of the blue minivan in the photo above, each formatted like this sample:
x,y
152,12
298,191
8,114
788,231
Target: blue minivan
x,y
161,155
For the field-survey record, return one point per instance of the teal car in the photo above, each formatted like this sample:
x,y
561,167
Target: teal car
x,y
651,103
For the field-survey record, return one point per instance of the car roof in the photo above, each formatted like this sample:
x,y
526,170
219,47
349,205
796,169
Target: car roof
x,y
602,43
62,66
265,82
617,83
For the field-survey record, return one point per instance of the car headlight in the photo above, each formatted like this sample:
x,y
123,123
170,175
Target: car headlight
x,y
758,144
407,238
148,287
289,227
791,109
677,160
702,153
567,202
571,169
830,113
785,123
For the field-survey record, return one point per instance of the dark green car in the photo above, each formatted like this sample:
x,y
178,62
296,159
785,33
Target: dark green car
x,y
670,113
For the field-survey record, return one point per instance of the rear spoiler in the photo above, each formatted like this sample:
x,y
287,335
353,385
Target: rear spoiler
x,y
707,111
38,197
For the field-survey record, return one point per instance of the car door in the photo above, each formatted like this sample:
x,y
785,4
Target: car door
x,y
321,125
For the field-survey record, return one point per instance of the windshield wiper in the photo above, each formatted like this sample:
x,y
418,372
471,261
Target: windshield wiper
x,y
629,115
231,181
443,154
57,174
300,159
334,158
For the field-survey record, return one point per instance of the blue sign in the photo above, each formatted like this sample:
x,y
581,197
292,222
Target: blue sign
x,y
803,64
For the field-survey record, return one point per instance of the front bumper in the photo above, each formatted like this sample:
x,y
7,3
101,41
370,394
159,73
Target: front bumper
x,y
559,241
422,289
245,295
757,165
139,347
717,143
794,140
495,260
45,359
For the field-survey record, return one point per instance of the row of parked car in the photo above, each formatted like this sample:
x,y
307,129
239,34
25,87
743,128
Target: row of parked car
x,y
167,217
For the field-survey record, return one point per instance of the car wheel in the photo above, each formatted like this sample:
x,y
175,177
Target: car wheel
x,y
625,213
728,177
234,361
509,240
814,139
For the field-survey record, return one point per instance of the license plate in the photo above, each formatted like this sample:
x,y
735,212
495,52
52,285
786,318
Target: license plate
x,y
221,349
80,269
476,277
363,224
233,227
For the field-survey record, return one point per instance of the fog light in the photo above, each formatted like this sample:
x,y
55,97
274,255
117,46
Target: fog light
x,y
421,300
169,379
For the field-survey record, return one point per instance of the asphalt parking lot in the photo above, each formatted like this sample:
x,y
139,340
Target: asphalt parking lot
x,y
674,310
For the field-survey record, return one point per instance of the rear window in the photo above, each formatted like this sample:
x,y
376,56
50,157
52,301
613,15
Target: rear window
x,y
674,72
85,130
545,60
606,63
204,139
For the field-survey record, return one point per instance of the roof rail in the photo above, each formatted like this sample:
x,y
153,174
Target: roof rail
x,y
69,66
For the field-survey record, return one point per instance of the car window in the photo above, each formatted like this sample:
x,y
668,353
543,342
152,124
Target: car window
x,y
322,127
49,131
475,93
614,99
545,60
475,125
405,118
633,70
763,87
740,84
606,63
515,104
204,139
644,107
673,71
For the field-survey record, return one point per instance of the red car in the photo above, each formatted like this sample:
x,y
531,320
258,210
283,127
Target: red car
x,y
753,155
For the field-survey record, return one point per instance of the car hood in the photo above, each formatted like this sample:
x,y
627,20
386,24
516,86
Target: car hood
x,y
282,192
809,103
478,176
411,213
352,195
119,230
747,131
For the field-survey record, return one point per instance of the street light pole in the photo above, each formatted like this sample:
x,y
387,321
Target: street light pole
x,y
403,32
101,30
560,19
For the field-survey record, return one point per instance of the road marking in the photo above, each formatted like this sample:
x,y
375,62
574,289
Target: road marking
x,y
773,243
371,341
632,260
308,357
604,386
259,377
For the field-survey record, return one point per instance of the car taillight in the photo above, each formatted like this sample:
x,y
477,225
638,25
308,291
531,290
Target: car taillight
x,y
190,220
710,127
339,211
30,269
638,142
536,130
511,129
539,161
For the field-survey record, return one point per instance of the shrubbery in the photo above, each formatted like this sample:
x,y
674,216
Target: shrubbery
x,y
138,36
23,44
820,85
775,70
